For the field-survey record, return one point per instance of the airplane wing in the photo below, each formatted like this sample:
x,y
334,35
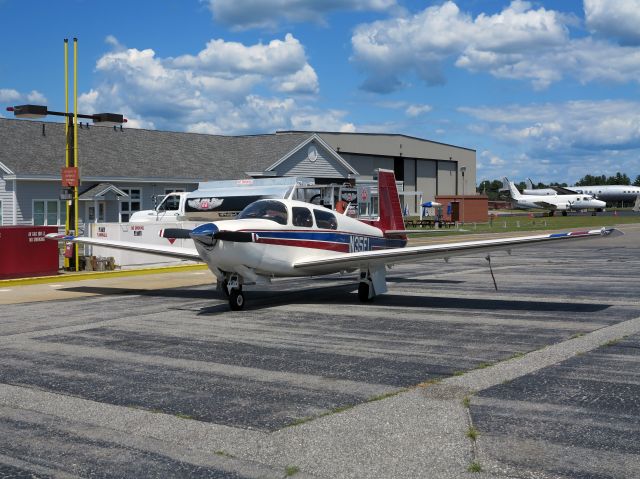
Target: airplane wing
x,y
561,190
546,205
171,251
446,250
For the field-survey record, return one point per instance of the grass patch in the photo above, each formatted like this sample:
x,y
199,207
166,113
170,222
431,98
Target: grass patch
x,y
484,365
458,373
183,416
474,467
577,335
516,355
502,224
466,402
380,397
472,433
430,382
291,470
611,342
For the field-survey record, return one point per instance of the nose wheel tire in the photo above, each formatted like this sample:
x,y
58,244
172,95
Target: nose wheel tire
x,y
236,300
363,292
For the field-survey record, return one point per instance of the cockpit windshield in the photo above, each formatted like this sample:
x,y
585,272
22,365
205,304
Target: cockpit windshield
x,y
267,210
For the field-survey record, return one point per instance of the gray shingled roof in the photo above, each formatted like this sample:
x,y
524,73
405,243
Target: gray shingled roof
x,y
136,153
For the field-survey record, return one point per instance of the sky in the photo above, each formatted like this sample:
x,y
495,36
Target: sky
x,y
540,89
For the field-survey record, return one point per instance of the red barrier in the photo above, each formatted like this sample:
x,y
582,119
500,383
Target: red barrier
x,y
25,252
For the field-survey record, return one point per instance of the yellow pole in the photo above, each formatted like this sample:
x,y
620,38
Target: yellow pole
x,y
75,143
67,220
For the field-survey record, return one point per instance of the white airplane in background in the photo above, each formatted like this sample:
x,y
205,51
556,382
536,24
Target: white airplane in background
x,y
530,190
552,203
600,192
284,238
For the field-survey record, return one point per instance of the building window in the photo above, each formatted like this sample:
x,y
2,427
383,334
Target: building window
x,y
0,213
131,204
47,213
173,190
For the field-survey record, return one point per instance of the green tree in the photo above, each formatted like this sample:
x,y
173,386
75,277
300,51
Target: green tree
x,y
637,182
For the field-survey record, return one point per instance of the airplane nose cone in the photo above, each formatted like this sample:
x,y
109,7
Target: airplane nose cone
x,y
204,234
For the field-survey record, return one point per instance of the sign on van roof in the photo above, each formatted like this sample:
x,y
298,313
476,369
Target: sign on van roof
x,y
261,187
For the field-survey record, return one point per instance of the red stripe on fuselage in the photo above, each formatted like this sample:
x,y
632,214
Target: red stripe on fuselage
x,y
325,245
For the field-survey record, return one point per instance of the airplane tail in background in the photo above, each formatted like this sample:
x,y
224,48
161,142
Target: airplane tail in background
x,y
515,194
390,210
529,183
505,184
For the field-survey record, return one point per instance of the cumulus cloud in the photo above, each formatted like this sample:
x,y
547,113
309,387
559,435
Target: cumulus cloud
x,y
573,125
269,13
9,95
520,42
618,19
211,91
417,110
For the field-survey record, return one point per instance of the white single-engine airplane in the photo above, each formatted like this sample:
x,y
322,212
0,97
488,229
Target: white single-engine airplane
x,y
281,237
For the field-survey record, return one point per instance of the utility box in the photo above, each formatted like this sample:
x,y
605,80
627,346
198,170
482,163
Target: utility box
x,y
24,251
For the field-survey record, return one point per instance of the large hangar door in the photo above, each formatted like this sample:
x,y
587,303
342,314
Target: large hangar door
x,y
447,177
427,179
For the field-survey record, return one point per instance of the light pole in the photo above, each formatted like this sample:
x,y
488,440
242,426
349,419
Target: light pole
x,y
463,169
70,173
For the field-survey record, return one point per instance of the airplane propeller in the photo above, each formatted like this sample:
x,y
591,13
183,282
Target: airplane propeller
x,y
207,234
174,233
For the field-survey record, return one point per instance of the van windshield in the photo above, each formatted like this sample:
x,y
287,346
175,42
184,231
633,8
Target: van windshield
x,y
267,210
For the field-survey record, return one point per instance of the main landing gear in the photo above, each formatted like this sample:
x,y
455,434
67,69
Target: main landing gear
x,y
372,283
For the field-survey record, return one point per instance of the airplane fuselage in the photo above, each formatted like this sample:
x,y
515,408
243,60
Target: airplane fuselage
x,y
560,202
274,248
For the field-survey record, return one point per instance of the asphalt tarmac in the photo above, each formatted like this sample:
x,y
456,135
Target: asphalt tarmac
x,y
154,377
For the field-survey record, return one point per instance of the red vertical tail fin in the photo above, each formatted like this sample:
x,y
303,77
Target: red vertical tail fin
x,y
389,201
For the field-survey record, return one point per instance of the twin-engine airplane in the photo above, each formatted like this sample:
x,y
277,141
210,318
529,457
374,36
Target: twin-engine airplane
x,y
280,237
553,203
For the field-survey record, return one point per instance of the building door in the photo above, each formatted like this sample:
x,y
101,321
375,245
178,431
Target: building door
x,y
455,211
94,216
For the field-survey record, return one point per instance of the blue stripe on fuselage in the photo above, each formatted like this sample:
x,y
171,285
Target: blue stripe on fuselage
x,y
356,242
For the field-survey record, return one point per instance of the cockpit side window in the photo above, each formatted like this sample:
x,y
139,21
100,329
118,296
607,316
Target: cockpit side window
x,y
302,217
267,210
325,219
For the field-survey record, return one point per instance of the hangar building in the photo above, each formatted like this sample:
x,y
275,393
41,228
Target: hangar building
x,y
123,169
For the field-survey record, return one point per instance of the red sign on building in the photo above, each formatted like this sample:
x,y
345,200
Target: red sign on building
x,y
70,176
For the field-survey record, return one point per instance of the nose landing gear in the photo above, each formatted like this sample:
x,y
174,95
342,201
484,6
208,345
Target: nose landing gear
x,y
231,288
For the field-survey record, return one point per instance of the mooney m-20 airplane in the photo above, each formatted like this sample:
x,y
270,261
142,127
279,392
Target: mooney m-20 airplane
x,y
286,238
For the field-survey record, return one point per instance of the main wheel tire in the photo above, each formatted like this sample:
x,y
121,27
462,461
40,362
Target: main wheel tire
x,y
236,300
363,292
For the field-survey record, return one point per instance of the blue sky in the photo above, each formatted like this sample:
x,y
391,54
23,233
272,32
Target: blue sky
x,y
540,89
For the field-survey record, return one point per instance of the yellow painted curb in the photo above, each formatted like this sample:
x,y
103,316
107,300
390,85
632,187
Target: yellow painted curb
x,y
82,275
